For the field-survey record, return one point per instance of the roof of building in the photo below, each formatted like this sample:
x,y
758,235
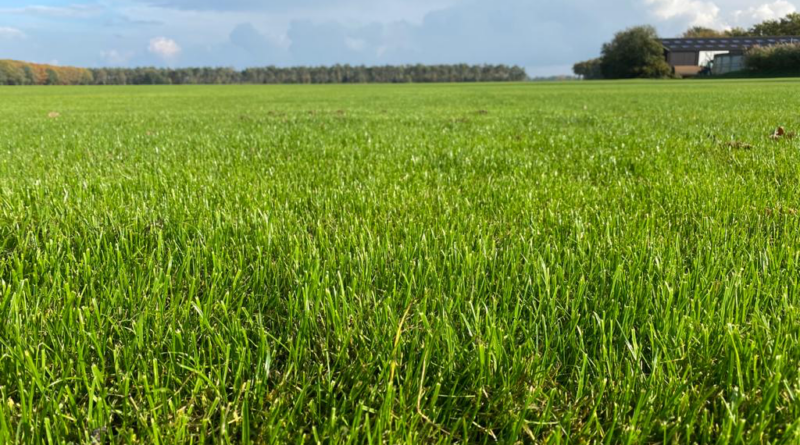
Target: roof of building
x,y
724,44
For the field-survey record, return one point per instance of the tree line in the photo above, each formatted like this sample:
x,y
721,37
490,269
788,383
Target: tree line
x,y
637,53
786,26
13,72
22,73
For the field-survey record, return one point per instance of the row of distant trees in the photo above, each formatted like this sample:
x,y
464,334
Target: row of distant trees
x,y
637,53
13,72
21,73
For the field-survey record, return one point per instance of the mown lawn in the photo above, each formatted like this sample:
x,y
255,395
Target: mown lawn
x,y
561,263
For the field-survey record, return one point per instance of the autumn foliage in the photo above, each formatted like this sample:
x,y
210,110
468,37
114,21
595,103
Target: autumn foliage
x,y
13,72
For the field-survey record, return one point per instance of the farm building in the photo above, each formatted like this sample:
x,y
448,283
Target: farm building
x,y
688,57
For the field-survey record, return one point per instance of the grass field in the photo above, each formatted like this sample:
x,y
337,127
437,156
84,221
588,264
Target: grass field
x,y
560,263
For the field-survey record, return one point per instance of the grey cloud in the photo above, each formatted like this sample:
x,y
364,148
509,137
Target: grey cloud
x,y
523,32
504,31
253,46
247,36
331,43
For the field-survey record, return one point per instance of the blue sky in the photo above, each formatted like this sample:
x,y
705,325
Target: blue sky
x,y
544,36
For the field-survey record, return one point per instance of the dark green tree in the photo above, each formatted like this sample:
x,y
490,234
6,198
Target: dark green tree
x,y
698,32
737,32
52,77
787,26
634,53
11,73
589,69
30,76
15,73
100,77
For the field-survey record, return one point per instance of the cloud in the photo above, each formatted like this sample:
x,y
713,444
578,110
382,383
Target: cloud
x,y
252,45
115,57
767,11
11,33
519,32
246,36
355,44
473,31
164,47
677,15
333,43
693,12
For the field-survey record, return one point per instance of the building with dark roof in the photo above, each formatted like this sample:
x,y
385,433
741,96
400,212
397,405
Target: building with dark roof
x,y
685,56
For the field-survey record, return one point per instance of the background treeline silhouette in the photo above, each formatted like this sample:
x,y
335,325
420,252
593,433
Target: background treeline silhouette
x,y
22,73
13,72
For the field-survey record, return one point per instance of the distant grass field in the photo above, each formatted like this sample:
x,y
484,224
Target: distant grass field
x,y
559,263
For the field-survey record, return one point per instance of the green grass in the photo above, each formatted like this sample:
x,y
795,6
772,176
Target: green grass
x,y
745,74
560,263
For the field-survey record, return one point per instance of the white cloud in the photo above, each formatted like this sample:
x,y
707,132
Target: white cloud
x,y
355,44
11,33
164,47
719,14
115,57
767,11
695,12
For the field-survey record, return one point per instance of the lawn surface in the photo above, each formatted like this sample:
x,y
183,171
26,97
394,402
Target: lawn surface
x,y
610,262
